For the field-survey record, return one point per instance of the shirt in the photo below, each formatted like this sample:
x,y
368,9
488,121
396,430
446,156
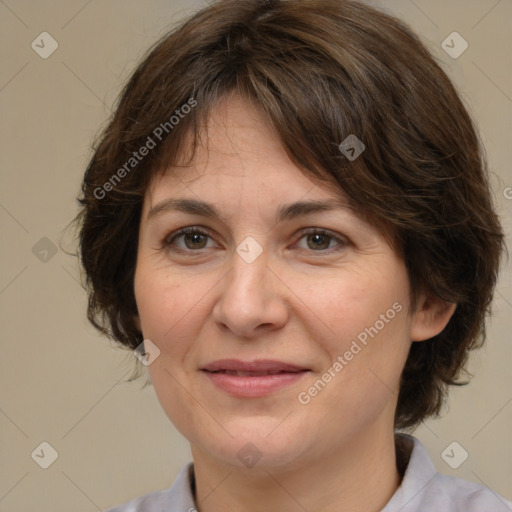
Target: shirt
x,y
422,489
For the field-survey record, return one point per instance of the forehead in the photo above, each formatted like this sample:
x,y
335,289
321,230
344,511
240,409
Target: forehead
x,y
238,149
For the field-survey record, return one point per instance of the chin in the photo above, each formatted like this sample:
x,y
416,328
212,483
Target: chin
x,y
254,449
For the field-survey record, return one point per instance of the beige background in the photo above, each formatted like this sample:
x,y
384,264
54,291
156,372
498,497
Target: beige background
x,y
60,381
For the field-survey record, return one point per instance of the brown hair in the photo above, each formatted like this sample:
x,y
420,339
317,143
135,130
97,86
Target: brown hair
x,y
320,70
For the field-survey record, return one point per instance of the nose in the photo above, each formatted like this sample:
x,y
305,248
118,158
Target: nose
x,y
252,298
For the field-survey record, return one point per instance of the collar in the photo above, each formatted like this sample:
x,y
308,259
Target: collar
x,y
422,487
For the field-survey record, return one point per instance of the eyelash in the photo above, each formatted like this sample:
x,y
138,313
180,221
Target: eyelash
x,y
169,239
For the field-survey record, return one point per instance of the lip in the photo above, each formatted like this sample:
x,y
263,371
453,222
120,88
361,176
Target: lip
x,y
259,365
259,377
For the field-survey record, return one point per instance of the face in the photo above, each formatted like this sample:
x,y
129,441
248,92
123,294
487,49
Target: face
x,y
317,295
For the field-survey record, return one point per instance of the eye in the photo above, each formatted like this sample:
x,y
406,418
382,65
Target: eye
x,y
318,240
193,238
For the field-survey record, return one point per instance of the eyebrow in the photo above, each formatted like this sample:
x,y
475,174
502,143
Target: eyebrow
x,y
285,212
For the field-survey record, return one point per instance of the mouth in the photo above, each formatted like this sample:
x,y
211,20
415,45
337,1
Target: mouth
x,y
252,368
251,379
239,373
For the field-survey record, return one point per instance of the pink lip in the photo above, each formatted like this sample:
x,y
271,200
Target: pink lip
x,y
259,365
251,386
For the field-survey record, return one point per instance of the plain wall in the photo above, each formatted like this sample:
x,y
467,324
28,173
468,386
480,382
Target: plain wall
x,y
61,382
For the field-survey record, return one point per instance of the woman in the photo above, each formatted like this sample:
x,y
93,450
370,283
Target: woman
x,y
288,219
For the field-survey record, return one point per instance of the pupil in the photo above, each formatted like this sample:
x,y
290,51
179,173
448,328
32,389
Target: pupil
x,y
195,238
319,237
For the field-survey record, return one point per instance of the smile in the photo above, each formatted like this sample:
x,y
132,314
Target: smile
x,y
251,374
253,384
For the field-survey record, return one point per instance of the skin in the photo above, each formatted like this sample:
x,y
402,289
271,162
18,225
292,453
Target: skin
x,y
296,303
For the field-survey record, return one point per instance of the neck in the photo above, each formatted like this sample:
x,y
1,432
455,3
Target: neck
x,y
361,475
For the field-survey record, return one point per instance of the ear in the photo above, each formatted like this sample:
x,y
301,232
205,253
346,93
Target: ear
x,y
431,317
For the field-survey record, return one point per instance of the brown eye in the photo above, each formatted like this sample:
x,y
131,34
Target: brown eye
x,y
322,241
196,240
193,238
319,241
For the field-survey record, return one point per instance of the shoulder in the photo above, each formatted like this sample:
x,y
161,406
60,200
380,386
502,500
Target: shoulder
x,y
150,502
179,497
465,496
423,489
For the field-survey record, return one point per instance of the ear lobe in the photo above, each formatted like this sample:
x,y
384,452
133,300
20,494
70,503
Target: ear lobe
x,y
136,319
430,318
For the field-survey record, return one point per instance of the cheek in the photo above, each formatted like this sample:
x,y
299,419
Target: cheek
x,y
168,386
355,302
165,304
168,309
369,328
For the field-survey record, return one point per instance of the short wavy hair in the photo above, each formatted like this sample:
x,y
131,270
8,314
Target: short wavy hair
x,y
320,70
